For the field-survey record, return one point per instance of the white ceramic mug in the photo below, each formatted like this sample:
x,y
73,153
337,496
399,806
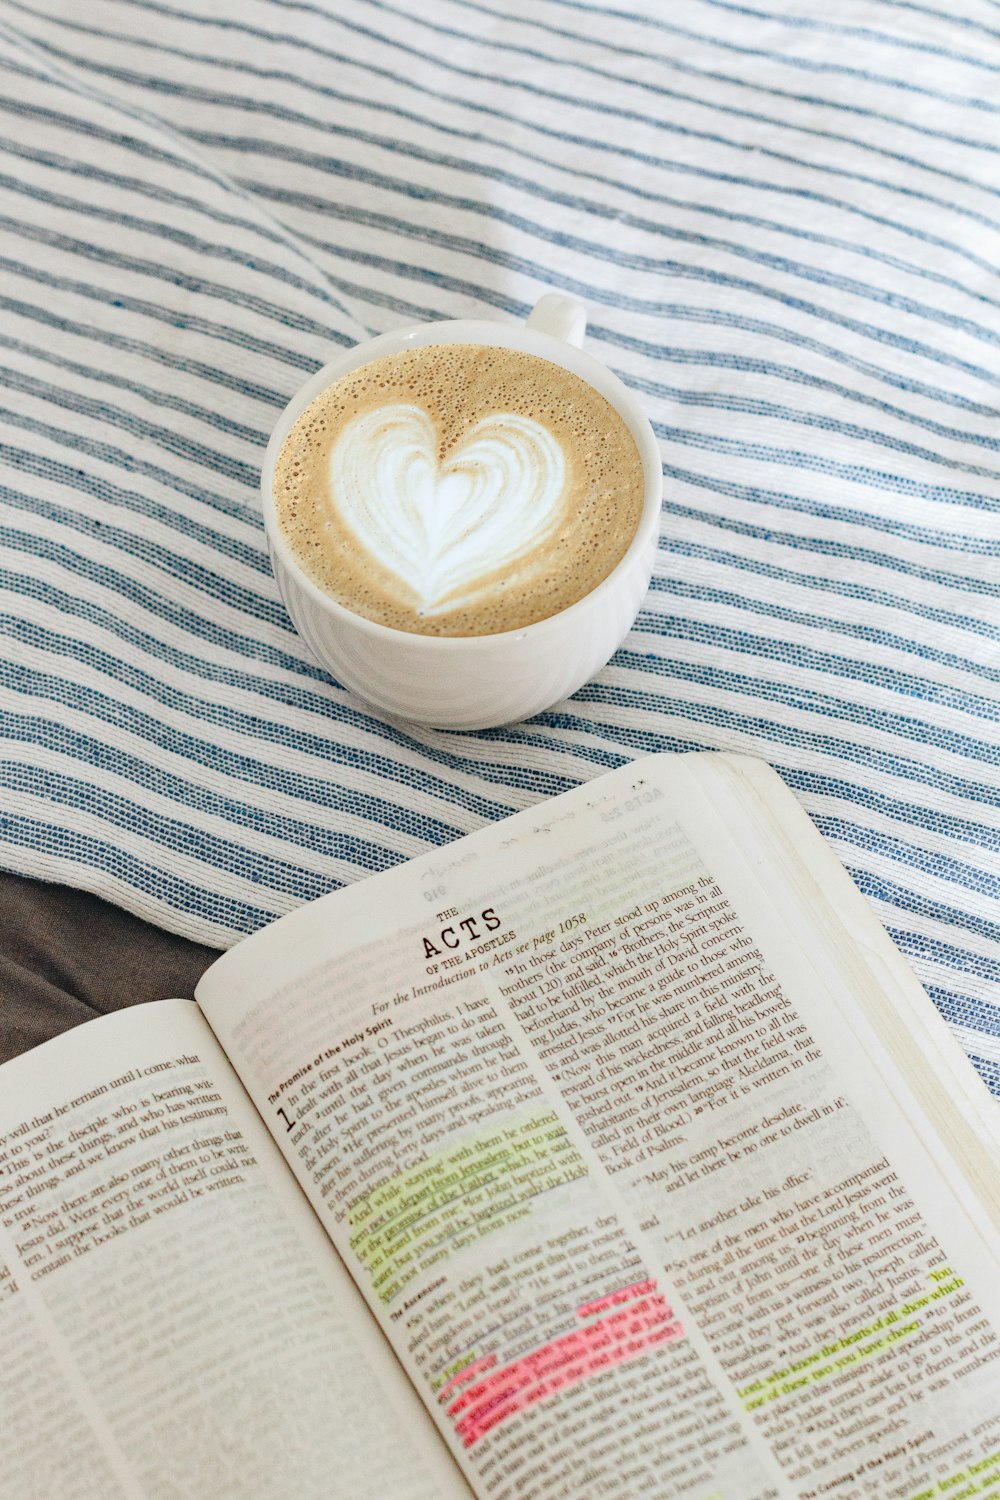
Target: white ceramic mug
x,y
474,682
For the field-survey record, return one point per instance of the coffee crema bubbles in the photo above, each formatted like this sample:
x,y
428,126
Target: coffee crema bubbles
x,y
458,489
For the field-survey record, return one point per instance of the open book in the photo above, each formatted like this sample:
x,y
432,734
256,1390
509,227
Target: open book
x,y
611,1151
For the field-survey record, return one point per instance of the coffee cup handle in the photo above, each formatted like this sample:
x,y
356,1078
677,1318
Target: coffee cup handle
x,y
560,317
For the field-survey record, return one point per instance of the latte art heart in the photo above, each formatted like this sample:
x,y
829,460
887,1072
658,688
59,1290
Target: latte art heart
x,y
443,529
458,490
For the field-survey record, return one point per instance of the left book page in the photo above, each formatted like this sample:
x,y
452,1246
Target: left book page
x,y
173,1320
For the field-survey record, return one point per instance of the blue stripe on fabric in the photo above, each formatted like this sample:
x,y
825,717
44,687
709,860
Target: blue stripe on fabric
x,y
160,85
246,861
879,479
391,107
783,58
796,376
160,230
716,318
844,711
155,395
134,502
794,579
607,76
952,18
812,661
101,411
966,1010
988,1070
537,229
971,879
673,63
171,360
329,748
218,291
591,293
399,147
810,784
157,192
484,170
920,947
754,496
224,333
298,698
760,609
820,420
861,33
751,728
76,850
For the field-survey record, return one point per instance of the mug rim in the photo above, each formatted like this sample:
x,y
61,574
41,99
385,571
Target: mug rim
x,y
491,335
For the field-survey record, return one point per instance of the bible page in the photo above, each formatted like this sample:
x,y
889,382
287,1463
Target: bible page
x,y
640,1211
172,1319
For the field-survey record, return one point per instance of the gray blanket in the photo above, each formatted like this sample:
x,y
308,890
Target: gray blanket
x,y
66,957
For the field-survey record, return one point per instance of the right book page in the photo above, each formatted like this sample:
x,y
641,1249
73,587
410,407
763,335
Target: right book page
x,y
633,1130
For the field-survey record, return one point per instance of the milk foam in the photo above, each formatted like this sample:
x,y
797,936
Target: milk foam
x,y
458,489
445,528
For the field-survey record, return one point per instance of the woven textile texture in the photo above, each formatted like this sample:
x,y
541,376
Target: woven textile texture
x,y
783,219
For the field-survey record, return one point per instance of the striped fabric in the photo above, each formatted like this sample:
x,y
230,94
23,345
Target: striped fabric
x,y
783,218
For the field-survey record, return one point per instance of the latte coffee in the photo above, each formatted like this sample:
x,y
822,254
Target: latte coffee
x,y
458,489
